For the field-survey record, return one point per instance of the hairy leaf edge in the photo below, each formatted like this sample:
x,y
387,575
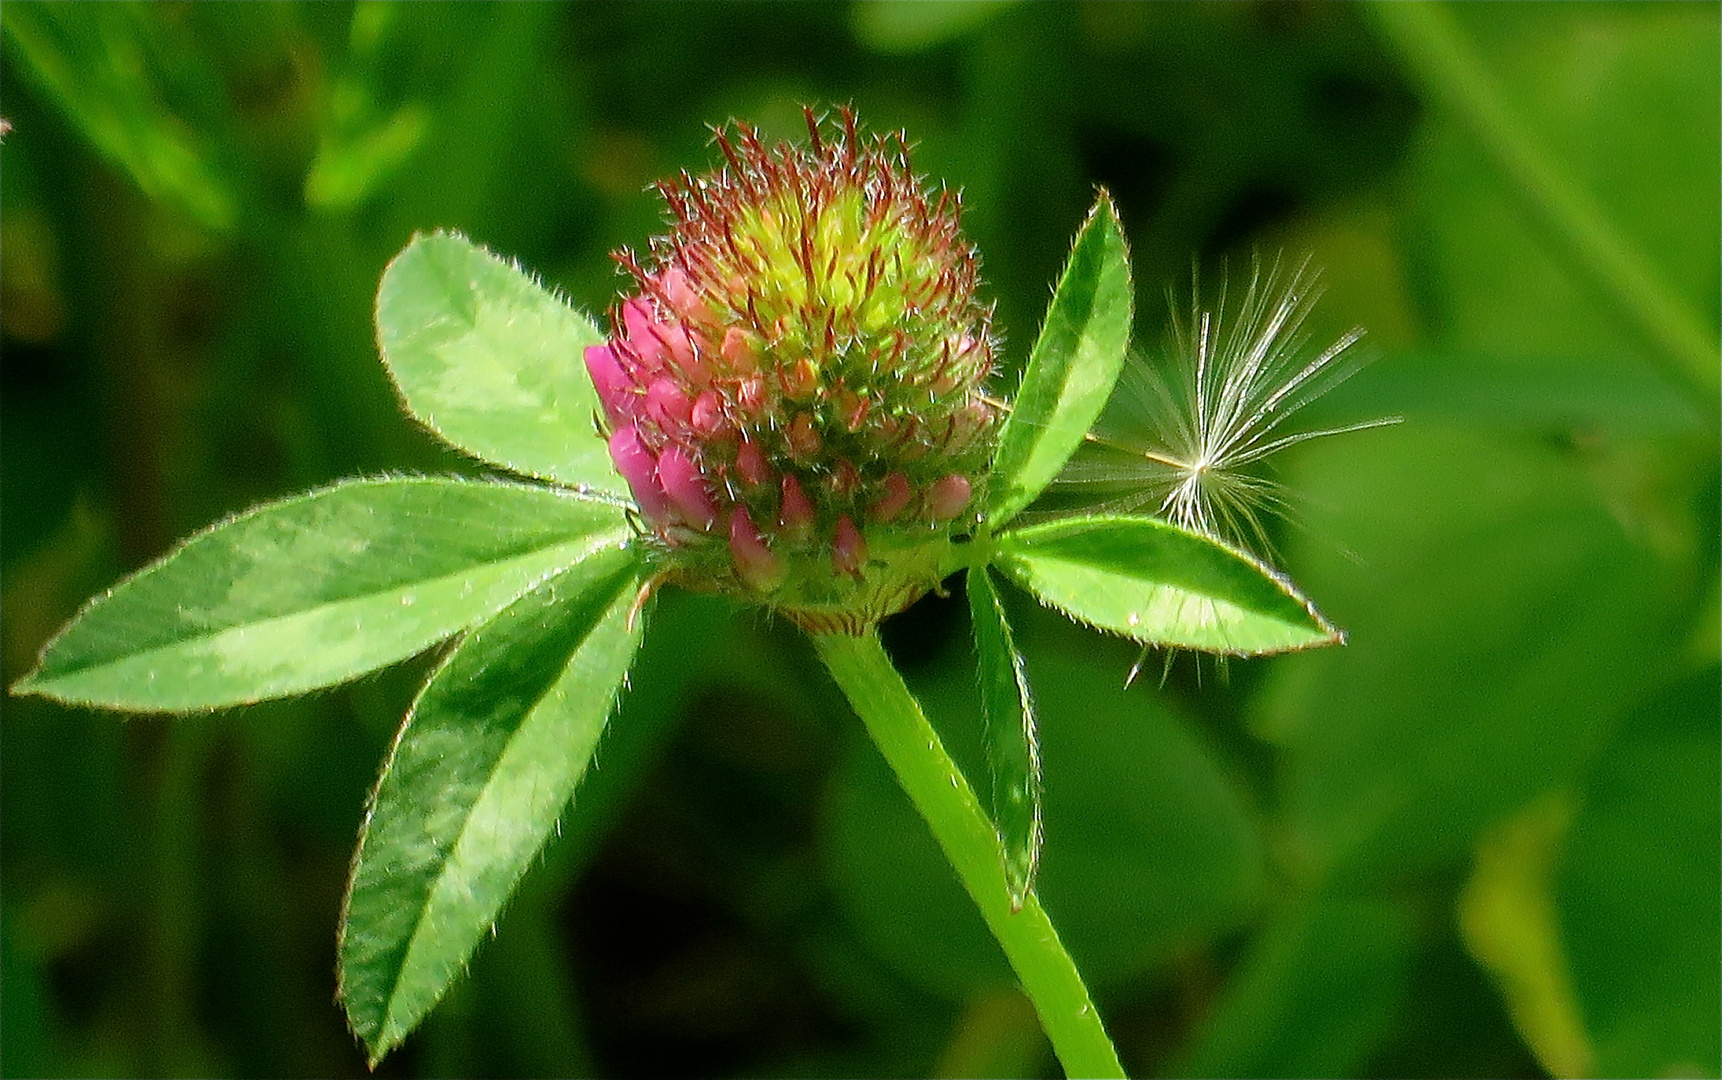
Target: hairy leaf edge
x,y
31,682
1008,561
389,1034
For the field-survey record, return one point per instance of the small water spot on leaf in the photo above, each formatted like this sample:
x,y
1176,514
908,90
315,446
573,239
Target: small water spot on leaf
x,y
408,599
1133,619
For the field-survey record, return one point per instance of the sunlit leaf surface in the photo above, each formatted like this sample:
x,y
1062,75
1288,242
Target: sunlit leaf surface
x,y
1160,585
485,765
490,360
1073,368
313,590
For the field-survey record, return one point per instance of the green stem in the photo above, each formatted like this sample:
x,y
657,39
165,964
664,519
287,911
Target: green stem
x,y
1443,60
943,796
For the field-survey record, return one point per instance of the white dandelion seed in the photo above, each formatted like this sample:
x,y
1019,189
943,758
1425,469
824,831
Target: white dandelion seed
x,y
1185,436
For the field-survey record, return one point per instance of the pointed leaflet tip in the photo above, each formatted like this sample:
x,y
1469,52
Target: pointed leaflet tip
x,y
473,787
316,589
1159,584
1073,368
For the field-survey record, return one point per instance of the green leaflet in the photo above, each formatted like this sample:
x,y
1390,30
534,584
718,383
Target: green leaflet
x,y
1013,752
491,361
316,589
1161,585
1073,368
1151,841
485,764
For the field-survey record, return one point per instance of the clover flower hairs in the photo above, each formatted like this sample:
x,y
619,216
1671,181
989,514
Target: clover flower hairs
x,y
795,395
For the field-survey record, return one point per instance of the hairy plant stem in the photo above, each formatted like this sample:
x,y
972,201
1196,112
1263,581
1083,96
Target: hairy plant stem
x,y
943,796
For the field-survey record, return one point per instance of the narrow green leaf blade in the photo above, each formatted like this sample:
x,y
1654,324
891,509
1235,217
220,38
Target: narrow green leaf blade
x,y
485,764
1161,585
490,360
1073,368
1013,749
316,589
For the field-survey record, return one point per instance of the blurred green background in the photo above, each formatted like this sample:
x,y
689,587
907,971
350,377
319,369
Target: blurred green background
x,y
1480,840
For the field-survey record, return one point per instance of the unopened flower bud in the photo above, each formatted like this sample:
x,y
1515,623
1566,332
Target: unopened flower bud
x,y
795,392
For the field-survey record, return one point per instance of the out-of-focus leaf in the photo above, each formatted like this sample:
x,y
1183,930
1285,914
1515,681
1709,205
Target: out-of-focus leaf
x,y
487,358
1637,890
1583,395
1500,618
350,166
316,589
484,766
1507,914
1161,585
99,63
1148,846
908,26
1013,751
1318,989
1490,252
1074,365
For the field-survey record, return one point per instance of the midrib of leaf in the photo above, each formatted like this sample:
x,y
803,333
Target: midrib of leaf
x,y
1156,583
554,557
1072,368
1219,607
390,1029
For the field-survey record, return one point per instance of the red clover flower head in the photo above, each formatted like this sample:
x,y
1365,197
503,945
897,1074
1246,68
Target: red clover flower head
x,y
795,394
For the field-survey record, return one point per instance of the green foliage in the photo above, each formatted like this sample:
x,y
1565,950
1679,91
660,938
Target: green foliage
x,y
1640,922
1257,874
121,77
490,361
1161,585
1013,750
1319,987
316,589
1073,368
1149,844
483,769
300,595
